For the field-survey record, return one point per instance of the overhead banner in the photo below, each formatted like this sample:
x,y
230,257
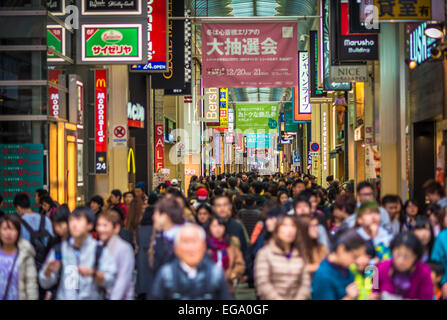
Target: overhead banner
x,y
246,55
407,10
101,121
157,37
174,77
257,117
22,171
211,105
105,43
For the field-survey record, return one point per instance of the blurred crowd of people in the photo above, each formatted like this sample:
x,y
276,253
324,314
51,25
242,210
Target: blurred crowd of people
x,y
282,235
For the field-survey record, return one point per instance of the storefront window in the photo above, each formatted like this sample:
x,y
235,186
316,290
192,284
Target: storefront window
x,y
23,65
19,132
27,30
23,4
30,100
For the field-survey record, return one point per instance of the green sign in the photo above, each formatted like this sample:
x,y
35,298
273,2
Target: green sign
x,y
112,43
289,126
55,41
257,117
21,171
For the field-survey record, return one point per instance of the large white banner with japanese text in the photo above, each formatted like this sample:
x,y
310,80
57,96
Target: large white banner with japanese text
x,y
247,55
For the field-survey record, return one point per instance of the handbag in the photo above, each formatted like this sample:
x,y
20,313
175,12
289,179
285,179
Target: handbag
x,y
10,276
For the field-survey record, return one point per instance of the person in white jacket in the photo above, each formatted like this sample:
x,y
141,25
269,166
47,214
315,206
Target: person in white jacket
x,y
108,226
80,267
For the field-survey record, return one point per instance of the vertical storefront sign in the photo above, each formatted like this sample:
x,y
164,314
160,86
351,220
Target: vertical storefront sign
x,y
289,125
157,37
325,140
303,108
174,77
55,41
101,121
211,106
244,55
420,44
314,66
327,47
223,107
159,147
21,171
53,93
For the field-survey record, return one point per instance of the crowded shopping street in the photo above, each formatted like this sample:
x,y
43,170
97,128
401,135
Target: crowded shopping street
x,y
223,150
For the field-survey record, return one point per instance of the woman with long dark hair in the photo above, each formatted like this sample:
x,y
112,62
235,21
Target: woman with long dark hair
x,y
424,232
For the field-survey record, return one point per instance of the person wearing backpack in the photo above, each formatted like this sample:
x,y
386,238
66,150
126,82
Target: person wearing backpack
x,y
81,267
18,276
36,228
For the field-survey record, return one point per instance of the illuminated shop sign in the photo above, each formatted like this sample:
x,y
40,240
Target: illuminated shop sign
x,y
53,93
135,115
101,120
111,7
420,44
55,41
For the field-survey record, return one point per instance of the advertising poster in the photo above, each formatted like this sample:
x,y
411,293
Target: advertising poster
x,y
257,117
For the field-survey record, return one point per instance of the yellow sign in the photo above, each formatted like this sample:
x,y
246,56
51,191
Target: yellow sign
x,y
223,108
131,155
403,9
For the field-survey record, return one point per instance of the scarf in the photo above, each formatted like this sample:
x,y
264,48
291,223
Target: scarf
x,y
401,282
217,245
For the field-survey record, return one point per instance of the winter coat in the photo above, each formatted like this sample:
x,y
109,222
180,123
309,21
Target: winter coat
x,y
144,274
73,286
421,286
28,287
280,278
250,218
173,283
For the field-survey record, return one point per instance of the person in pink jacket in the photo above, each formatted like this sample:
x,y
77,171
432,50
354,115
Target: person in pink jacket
x,y
404,276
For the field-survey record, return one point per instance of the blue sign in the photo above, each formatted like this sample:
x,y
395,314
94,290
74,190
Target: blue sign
x,y
259,140
151,66
420,44
315,147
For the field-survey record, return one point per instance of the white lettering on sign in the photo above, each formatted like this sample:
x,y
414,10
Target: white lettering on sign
x,y
211,104
348,73
55,104
304,103
100,100
135,111
420,44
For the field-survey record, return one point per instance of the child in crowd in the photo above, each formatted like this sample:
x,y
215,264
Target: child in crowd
x,y
436,276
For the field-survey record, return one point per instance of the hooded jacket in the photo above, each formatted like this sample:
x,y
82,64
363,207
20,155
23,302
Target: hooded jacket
x,y
28,288
73,286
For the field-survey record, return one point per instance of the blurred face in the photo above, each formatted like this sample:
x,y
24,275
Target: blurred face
x,y
403,258
314,203
412,209
128,199
287,231
222,207
340,214
369,218
366,194
244,178
435,278
283,198
270,224
45,206
105,229
433,197
79,226
94,206
217,230
114,199
302,209
61,229
423,234
362,261
8,233
393,209
298,188
190,248
203,216
160,220
138,192
36,197
313,229
346,258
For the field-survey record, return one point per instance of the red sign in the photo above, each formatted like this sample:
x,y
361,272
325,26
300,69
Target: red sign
x,y
157,22
53,93
159,147
119,132
101,110
244,55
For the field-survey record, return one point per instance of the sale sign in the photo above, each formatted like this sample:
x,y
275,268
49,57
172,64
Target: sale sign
x,y
101,120
53,93
244,55
159,147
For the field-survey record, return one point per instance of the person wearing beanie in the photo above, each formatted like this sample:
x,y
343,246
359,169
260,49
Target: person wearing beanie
x,y
368,222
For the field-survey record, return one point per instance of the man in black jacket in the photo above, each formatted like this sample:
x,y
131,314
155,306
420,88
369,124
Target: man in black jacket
x,y
192,275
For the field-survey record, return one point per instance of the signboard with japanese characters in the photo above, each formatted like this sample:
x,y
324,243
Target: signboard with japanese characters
x,y
111,7
109,43
257,117
157,37
407,10
245,55
304,106
55,41
21,171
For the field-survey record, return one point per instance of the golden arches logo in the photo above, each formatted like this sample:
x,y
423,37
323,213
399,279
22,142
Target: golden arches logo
x,y
101,83
131,155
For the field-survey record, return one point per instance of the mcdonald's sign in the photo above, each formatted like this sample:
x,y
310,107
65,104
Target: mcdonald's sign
x,y
101,120
131,156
